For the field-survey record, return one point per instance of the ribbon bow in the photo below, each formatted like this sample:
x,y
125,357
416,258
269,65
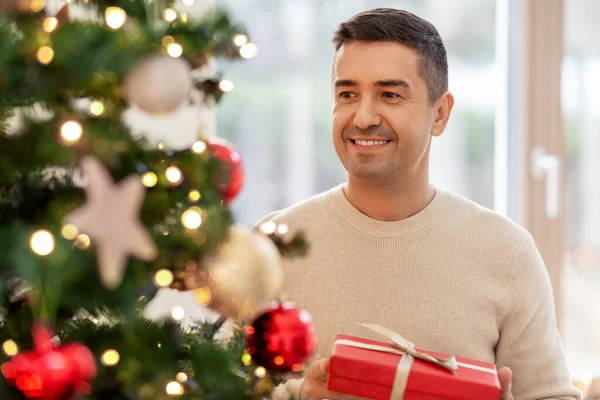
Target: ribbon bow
x,y
408,348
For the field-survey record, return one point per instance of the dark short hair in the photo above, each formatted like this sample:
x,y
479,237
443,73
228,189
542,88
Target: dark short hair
x,y
403,27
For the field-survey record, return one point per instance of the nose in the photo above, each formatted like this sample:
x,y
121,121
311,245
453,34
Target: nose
x,y
367,115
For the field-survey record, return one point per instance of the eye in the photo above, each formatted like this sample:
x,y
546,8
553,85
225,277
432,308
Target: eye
x,y
391,95
347,95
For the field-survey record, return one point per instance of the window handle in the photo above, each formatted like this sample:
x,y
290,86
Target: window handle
x,y
547,166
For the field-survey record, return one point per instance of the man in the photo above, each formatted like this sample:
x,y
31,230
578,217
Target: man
x,y
388,248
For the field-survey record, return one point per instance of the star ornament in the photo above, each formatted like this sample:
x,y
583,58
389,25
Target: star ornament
x,y
110,217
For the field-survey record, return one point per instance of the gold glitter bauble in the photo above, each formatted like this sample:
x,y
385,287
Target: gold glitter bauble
x,y
244,275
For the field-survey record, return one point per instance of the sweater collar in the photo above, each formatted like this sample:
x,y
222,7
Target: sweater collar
x,y
338,204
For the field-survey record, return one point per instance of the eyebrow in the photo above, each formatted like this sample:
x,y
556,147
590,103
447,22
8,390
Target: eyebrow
x,y
383,83
392,83
345,83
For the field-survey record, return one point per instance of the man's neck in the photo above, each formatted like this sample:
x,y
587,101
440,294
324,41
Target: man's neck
x,y
390,202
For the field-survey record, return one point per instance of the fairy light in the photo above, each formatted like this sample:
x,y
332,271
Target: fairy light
x,y
71,132
181,377
278,360
260,372
149,179
167,40
50,24
173,175
42,242
10,348
226,85
188,3
174,388
185,17
110,358
69,231
177,313
161,146
246,359
163,277
97,108
203,296
240,40
37,5
192,218
95,321
191,266
82,241
174,50
169,15
115,17
199,146
268,227
249,50
194,196
282,229
45,55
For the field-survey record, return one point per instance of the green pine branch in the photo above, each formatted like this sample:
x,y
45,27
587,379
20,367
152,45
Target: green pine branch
x,y
39,186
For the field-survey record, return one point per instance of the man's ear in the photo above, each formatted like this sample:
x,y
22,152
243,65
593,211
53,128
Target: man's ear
x,y
443,108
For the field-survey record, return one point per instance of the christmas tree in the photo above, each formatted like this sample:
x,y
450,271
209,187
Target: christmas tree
x,y
95,218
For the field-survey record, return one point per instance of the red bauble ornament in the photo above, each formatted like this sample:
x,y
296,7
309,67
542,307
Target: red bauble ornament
x,y
49,372
231,179
282,339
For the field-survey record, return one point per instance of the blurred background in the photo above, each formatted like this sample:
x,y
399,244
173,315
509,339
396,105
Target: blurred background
x,y
525,75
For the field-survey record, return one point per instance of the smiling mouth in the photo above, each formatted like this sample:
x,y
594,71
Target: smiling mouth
x,y
369,143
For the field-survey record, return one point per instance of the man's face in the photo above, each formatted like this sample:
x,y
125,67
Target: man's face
x,y
382,117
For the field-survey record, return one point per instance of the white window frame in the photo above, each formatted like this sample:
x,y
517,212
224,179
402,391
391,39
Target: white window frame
x,y
530,142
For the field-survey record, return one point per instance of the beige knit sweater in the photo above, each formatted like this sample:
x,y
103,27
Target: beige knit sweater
x,y
455,278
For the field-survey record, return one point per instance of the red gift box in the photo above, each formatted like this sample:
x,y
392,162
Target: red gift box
x,y
376,374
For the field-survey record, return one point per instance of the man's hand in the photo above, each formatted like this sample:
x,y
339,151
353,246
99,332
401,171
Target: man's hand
x,y
505,376
314,386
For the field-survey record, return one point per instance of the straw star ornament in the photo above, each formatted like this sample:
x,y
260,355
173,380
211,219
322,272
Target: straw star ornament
x,y
110,217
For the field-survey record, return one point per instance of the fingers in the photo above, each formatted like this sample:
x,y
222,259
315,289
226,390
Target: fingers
x,y
314,386
318,370
324,369
505,376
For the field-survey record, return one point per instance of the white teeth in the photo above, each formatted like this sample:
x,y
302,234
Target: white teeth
x,y
370,142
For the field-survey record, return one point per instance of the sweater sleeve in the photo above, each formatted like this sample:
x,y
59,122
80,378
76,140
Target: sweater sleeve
x,y
290,390
266,218
529,342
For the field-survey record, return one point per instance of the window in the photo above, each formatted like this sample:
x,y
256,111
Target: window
x,y
581,273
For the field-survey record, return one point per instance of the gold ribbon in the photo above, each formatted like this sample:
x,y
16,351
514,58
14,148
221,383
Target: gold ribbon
x,y
406,349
